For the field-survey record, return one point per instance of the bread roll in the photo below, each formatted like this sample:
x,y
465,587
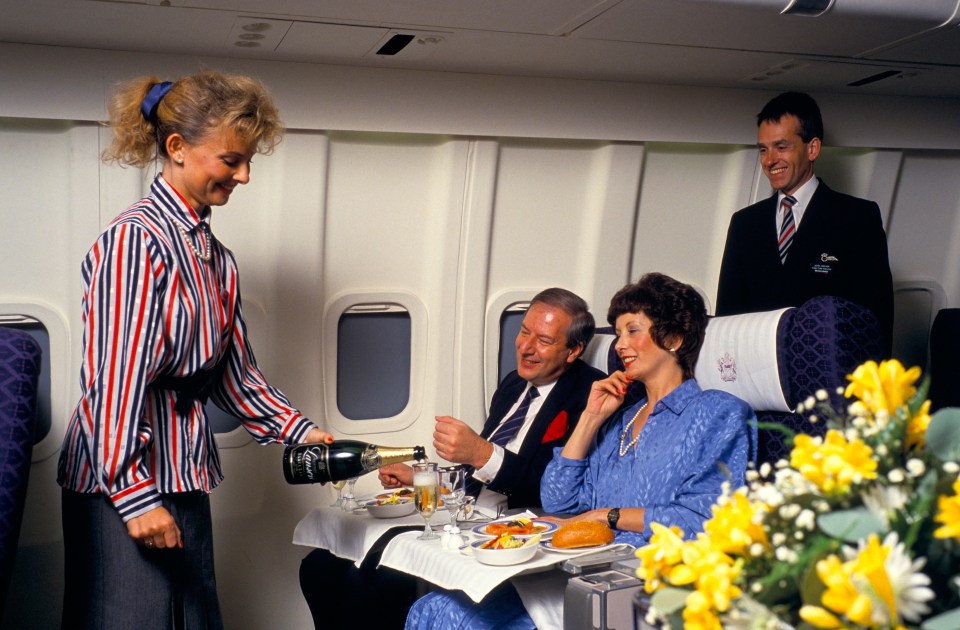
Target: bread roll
x,y
582,534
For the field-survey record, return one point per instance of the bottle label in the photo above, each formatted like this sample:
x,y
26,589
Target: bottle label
x,y
313,465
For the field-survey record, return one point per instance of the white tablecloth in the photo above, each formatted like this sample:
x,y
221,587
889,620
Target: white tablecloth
x,y
352,535
349,535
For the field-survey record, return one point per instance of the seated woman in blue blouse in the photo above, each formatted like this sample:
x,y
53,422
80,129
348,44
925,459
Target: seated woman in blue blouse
x,y
662,459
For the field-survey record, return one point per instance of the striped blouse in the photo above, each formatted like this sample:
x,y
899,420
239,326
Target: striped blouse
x,y
152,309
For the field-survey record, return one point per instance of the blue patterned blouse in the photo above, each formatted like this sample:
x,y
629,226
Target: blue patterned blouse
x,y
672,471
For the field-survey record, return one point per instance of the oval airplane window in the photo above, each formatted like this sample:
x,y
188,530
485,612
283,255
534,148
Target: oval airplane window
x,y
39,334
373,346
510,321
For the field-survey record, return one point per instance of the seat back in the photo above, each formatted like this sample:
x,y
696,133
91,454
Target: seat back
x,y
19,374
944,368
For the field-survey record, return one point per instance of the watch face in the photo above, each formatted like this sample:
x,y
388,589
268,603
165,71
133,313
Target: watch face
x,y
612,517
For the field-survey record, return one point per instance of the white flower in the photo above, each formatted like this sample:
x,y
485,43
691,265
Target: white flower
x,y
896,475
822,394
916,467
790,511
807,520
778,539
882,501
765,469
858,409
911,588
882,450
951,468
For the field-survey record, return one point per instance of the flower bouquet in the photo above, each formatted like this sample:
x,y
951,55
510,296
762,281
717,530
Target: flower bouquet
x,y
859,529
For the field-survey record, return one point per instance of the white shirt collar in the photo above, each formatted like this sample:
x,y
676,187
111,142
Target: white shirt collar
x,y
803,195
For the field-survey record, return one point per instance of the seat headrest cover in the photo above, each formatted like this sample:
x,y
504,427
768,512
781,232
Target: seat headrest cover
x,y
597,352
739,356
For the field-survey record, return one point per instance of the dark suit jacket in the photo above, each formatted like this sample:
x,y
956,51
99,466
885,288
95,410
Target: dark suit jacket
x,y
519,476
839,249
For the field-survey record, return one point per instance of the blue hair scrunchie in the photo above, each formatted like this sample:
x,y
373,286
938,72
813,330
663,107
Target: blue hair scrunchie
x,y
149,105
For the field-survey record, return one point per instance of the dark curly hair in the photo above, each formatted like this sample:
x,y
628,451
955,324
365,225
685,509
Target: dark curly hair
x,y
676,310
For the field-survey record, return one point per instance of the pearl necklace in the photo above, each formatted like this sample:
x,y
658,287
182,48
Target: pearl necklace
x,y
193,248
623,436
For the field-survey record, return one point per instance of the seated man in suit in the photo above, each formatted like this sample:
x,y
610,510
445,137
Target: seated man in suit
x,y
533,410
549,388
805,240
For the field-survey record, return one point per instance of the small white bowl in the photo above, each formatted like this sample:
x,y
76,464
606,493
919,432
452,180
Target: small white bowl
x,y
402,507
504,557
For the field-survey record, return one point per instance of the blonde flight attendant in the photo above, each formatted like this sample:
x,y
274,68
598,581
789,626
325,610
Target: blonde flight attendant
x,y
163,332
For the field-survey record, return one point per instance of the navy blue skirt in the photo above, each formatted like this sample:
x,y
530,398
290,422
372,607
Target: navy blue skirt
x,y
114,583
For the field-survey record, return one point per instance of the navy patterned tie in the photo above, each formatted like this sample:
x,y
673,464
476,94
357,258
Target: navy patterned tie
x,y
508,429
501,435
787,227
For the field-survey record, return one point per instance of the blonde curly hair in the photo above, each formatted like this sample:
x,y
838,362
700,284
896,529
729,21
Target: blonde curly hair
x,y
194,107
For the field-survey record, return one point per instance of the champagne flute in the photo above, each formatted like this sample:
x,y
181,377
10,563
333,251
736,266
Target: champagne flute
x,y
426,490
338,485
452,481
349,501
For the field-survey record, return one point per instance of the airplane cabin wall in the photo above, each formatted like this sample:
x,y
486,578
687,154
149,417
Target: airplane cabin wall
x,y
451,197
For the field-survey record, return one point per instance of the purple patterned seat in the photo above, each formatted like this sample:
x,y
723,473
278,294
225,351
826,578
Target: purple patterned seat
x,y
818,344
19,373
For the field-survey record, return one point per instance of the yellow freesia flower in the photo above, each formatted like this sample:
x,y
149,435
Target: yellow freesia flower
x,y
737,524
821,618
870,565
834,463
658,559
842,596
884,387
917,427
698,614
948,514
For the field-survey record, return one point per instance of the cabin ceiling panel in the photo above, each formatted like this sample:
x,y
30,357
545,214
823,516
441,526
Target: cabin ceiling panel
x,y
330,41
755,26
528,16
721,43
939,47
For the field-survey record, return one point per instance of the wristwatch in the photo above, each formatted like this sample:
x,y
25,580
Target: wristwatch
x,y
613,516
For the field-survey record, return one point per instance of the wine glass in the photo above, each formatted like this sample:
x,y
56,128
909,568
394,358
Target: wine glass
x,y
350,502
338,485
453,483
426,490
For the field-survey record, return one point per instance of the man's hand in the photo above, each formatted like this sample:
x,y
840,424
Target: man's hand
x,y
155,529
395,476
458,443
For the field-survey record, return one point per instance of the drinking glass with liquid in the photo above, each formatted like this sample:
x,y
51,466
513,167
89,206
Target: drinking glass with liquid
x,y
426,493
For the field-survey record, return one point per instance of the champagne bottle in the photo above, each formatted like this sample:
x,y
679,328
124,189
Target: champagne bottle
x,y
343,459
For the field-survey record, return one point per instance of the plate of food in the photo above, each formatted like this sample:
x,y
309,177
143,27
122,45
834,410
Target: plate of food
x,y
520,527
391,504
505,550
579,537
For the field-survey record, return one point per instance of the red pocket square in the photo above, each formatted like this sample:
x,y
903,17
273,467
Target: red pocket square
x,y
557,428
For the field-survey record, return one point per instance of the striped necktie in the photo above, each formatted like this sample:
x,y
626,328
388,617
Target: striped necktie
x,y
508,429
501,435
787,227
